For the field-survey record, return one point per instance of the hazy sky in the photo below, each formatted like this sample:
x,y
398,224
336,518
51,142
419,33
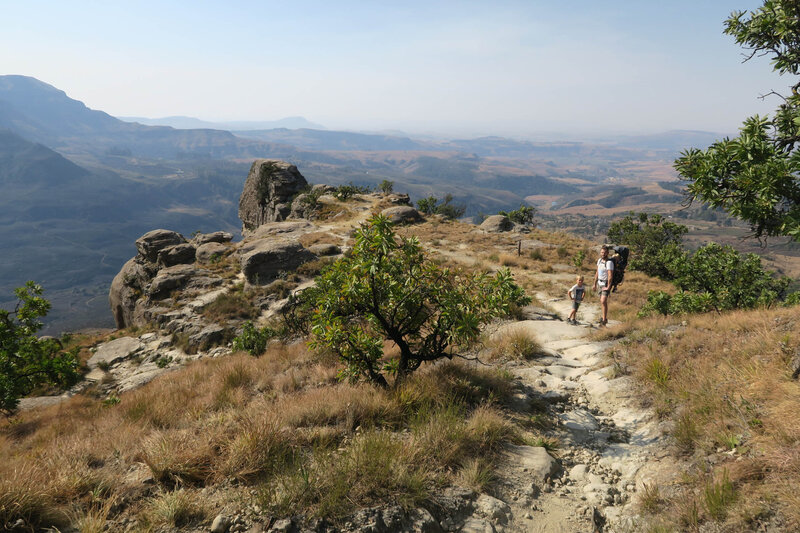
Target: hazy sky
x,y
500,67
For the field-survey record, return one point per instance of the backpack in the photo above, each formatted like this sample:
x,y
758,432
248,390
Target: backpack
x,y
620,260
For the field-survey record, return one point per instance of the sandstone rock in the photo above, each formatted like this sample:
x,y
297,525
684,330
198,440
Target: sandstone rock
x,y
402,214
321,250
284,525
493,509
207,251
267,258
325,188
293,228
217,236
268,188
126,288
497,224
114,351
177,254
399,199
154,241
208,336
169,279
477,525
220,524
302,207
540,465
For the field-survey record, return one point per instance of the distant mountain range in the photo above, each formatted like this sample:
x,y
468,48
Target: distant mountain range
x,y
79,186
191,123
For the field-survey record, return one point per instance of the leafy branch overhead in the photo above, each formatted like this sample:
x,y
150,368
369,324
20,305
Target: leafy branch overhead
x,y
754,177
387,289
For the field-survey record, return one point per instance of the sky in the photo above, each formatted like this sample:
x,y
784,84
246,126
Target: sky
x,y
515,68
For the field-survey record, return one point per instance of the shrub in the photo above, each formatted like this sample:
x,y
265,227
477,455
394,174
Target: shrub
x,y
433,206
27,361
344,192
717,278
523,215
386,186
387,288
252,339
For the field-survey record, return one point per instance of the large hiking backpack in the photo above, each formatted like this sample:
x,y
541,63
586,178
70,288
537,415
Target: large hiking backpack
x,y
620,260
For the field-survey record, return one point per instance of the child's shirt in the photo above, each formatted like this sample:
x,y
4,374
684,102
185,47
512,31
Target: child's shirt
x,y
577,292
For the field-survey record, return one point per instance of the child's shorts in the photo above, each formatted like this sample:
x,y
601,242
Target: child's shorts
x,y
575,305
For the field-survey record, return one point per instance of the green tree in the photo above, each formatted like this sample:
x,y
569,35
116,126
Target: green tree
x,y
27,361
654,242
386,186
754,177
387,289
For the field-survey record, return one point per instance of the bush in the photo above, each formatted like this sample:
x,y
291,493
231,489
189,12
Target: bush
x,y
344,192
254,340
386,186
717,278
27,361
523,215
387,289
433,206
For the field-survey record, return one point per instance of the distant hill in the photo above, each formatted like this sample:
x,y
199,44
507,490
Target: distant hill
x,y
189,123
30,164
312,139
42,113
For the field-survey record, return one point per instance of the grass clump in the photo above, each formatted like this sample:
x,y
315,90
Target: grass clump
x,y
515,343
230,306
176,508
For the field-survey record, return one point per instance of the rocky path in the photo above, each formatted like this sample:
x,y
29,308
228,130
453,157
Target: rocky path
x,y
606,447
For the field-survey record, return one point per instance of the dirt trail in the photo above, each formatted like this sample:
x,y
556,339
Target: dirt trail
x,y
607,446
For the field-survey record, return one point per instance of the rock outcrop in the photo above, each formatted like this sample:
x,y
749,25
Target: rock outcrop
x,y
264,260
497,224
268,192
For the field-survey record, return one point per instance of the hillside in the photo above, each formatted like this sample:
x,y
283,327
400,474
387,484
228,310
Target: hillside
x,y
649,423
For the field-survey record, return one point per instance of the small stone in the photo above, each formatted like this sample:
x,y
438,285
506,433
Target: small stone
x,y
220,524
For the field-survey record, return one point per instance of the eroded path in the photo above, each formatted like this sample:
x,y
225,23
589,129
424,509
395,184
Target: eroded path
x,y
604,447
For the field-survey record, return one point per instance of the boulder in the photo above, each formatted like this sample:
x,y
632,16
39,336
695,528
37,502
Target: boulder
x,y
321,250
267,192
178,254
114,351
539,464
152,242
217,236
497,224
301,207
493,509
264,260
206,252
402,214
169,279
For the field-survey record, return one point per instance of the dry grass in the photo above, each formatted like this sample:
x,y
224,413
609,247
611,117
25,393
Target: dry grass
x,y
514,343
725,383
319,237
274,423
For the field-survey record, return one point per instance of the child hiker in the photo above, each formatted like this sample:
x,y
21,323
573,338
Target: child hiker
x,y
576,295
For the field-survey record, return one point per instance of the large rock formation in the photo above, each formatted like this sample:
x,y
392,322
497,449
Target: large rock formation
x,y
165,262
268,192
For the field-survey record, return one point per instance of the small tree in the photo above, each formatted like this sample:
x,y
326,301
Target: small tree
x,y
387,289
386,186
27,361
